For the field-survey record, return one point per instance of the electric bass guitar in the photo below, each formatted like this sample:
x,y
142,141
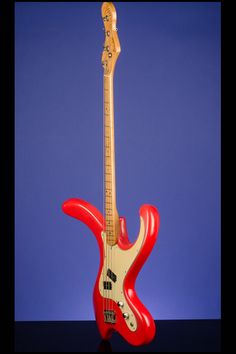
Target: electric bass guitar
x,y
116,304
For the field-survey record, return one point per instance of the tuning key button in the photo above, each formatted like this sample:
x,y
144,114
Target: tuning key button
x,y
110,55
108,33
126,315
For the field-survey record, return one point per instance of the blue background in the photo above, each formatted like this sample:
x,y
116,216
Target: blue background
x,y
167,126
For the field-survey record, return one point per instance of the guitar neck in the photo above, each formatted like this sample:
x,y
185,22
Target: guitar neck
x,y
111,214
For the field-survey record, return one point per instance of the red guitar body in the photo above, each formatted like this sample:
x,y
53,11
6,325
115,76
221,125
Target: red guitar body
x,y
142,328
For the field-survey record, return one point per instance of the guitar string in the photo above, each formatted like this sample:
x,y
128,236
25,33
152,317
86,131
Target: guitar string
x,y
107,218
103,213
112,175
108,205
111,205
113,186
105,203
106,215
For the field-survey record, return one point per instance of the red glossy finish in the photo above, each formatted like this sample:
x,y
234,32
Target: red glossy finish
x,y
88,214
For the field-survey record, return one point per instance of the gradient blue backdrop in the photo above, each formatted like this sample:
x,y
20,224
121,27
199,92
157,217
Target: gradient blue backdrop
x,y
167,122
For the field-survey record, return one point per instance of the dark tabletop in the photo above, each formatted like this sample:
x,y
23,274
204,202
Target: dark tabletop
x,y
83,336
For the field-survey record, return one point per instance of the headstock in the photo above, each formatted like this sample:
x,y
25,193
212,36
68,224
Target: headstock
x,y
111,47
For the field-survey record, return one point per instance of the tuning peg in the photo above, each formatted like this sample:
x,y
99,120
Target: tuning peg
x,y
105,18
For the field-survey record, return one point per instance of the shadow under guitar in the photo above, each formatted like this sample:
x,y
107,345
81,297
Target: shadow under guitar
x,y
105,346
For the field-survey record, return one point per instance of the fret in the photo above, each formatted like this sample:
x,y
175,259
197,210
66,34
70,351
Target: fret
x,y
107,123
109,232
107,132
109,211
111,241
108,218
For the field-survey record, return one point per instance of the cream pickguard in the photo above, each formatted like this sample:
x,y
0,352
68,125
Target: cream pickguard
x,y
120,261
